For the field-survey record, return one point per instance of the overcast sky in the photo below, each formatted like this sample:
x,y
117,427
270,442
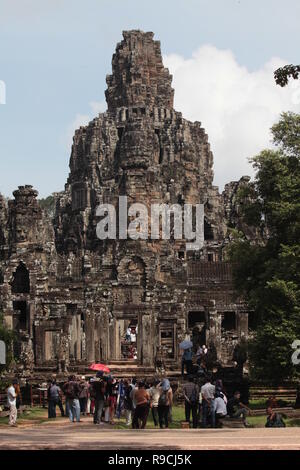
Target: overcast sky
x,y
55,54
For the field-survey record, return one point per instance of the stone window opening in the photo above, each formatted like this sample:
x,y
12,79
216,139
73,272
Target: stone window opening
x,y
161,150
120,132
79,199
228,321
208,231
210,257
181,255
21,280
82,322
1,277
21,315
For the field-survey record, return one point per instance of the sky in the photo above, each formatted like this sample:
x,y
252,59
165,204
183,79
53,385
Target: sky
x,y
55,55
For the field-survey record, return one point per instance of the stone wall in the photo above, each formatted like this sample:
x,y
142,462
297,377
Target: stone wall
x,y
83,292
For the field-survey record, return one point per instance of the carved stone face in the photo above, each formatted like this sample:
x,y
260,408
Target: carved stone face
x,y
137,145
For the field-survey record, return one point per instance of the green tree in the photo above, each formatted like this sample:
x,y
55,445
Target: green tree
x,y
283,74
48,204
7,336
268,273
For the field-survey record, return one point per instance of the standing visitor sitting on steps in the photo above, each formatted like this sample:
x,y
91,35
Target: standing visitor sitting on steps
x,y
72,391
154,393
54,399
237,409
12,402
220,408
142,400
165,403
187,361
208,394
274,420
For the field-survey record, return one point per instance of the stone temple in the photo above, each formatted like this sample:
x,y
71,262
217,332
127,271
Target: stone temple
x,y
71,297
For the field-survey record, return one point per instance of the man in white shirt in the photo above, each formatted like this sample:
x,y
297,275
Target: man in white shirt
x,y
12,403
220,408
208,394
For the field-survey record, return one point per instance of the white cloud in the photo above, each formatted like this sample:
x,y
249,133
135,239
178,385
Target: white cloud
x,y
236,107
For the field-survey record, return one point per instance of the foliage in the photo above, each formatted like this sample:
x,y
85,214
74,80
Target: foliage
x,y
283,74
48,204
7,336
268,273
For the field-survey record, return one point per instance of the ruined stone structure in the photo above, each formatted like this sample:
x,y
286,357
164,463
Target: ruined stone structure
x,y
69,296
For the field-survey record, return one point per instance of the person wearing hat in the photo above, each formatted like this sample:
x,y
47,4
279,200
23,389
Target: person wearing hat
x,y
12,402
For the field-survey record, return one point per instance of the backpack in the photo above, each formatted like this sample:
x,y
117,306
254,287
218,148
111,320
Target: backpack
x,y
69,390
194,396
163,399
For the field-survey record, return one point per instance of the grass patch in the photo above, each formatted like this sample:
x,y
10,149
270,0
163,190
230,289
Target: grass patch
x,y
34,415
178,415
39,415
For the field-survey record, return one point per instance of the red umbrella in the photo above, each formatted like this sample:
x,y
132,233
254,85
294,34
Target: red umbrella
x,y
99,367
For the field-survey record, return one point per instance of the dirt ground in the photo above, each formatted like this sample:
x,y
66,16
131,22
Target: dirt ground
x,y
85,435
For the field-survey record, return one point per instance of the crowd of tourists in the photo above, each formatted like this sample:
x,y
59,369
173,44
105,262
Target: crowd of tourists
x,y
105,398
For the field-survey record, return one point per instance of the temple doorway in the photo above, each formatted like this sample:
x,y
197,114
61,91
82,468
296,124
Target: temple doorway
x,y
129,349
127,339
197,327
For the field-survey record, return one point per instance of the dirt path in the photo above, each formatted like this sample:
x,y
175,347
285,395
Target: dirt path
x,y
64,435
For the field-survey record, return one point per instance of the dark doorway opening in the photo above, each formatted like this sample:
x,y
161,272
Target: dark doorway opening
x,y
197,325
228,321
21,281
20,323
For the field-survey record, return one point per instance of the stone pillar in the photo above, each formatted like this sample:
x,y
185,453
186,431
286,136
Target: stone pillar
x,y
242,324
215,328
90,337
145,333
31,315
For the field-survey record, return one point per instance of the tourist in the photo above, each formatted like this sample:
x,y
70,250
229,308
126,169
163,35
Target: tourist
x,y
274,420
272,402
237,409
187,361
142,400
98,392
83,396
54,394
199,355
219,407
72,391
120,398
12,402
164,403
191,397
133,334
128,335
133,387
154,393
204,349
112,399
128,406
19,396
208,395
